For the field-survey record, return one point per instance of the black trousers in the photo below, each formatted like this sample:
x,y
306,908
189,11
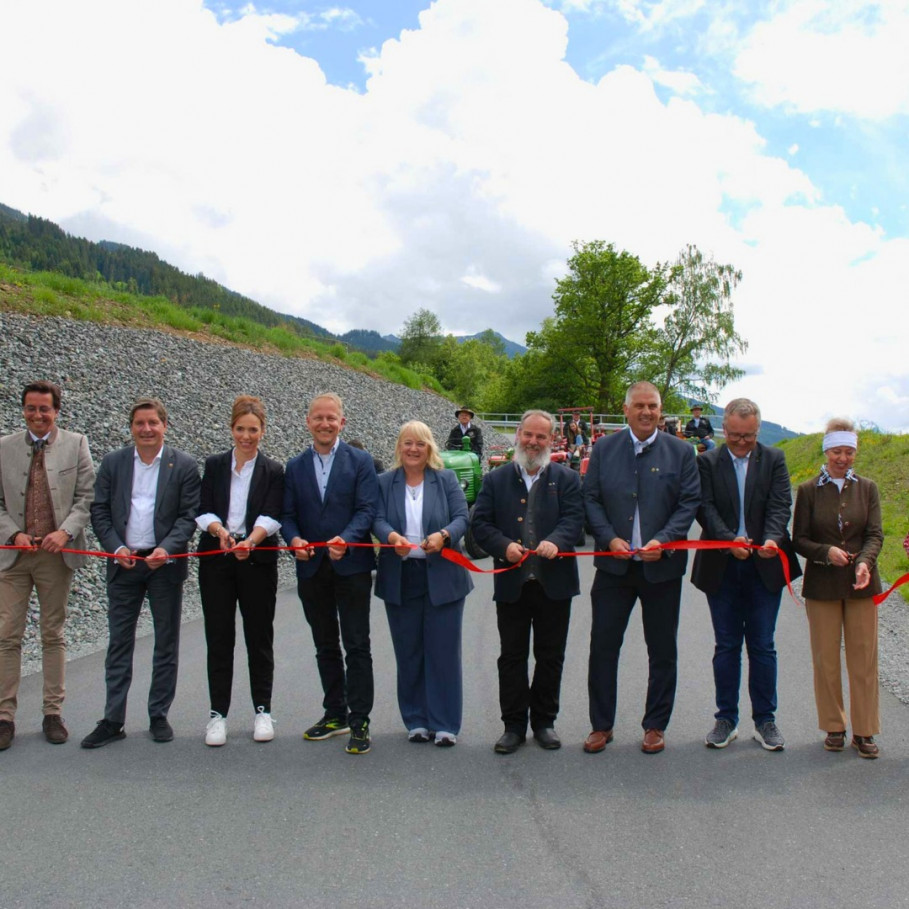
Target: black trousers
x,y
126,592
548,620
613,597
337,609
225,582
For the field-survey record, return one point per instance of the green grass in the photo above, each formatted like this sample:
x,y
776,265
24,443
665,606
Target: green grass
x,y
884,459
52,294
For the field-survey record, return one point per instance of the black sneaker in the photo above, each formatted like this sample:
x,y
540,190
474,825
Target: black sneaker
x,y
359,738
160,730
327,727
105,733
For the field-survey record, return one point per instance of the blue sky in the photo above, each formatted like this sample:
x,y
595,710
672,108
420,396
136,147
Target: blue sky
x,y
353,162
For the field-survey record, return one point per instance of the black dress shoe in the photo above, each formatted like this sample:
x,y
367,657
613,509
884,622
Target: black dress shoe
x,y
547,738
160,730
104,733
509,743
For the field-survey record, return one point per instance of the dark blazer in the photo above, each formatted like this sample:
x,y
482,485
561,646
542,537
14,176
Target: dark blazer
x,y
444,508
819,510
456,439
176,504
266,497
768,505
499,516
348,510
662,482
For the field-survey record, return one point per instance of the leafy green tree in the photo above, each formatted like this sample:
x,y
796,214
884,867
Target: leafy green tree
x,y
602,326
421,339
690,356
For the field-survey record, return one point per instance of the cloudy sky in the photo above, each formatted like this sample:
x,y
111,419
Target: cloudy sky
x,y
353,163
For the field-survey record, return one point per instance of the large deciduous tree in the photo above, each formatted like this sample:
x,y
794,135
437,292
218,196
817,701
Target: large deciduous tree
x,y
691,356
602,329
421,340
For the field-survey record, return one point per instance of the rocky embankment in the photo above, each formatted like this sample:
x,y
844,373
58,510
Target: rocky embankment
x,y
103,368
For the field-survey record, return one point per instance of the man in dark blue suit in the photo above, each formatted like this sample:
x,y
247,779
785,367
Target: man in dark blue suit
x,y
330,495
746,496
146,501
531,504
641,491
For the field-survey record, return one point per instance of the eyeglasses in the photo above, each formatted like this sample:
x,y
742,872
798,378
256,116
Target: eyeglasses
x,y
44,410
741,436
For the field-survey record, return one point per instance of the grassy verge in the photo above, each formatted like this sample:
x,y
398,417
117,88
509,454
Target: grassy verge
x,y
884,459
52,294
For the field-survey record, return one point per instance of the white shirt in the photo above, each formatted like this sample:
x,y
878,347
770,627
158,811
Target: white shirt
x,y
140,527
240,483
639,446
529,478
413,526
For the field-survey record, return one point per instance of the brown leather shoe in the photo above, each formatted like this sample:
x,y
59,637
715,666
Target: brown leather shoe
x,y
865,746
835,741
7,734
597,741
653,741
54,730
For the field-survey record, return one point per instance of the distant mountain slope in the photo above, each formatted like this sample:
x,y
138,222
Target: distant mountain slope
x,y
40,245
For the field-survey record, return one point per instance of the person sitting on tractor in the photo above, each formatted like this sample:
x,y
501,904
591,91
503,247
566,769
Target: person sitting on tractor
x,y
699,428
465,427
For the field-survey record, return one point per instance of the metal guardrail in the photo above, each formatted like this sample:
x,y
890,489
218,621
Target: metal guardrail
x,y
611,422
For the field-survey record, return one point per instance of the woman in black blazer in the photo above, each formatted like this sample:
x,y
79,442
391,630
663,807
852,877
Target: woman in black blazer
x,y
242,494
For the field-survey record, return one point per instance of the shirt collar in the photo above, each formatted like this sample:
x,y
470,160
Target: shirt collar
x,y
736,457
154,460
638,444
334,448
825,477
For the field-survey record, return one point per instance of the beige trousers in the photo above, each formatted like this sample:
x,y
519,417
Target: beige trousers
x,y
832,622
48,574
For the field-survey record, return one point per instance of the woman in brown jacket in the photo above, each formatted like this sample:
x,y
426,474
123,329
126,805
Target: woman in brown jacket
x,y
837,528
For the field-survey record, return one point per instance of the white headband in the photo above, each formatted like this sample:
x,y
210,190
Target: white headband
x,y
840,438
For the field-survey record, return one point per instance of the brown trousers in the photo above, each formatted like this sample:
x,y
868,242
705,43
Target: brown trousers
x,y
48,574
832,622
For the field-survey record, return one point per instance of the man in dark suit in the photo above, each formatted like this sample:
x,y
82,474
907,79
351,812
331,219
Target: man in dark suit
x,y
700,428
465,427
641,491
531,504
330,495
745,496
146,500
48,513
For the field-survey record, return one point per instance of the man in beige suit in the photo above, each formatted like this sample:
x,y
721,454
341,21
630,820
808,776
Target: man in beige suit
x,y
46,488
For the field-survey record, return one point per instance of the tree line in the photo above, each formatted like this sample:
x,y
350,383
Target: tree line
x,y
615,321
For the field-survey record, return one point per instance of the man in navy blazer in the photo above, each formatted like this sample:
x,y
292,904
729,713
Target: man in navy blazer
x,y
531,504
641,491
746,496
330,494
146,500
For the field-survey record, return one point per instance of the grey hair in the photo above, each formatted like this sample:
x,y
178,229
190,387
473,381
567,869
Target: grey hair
x,y
642,386
742,407
840,424
538,413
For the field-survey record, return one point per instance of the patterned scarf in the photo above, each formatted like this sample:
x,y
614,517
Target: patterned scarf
x,y
825,477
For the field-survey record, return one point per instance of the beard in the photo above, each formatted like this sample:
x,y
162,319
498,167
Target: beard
x,y
531,461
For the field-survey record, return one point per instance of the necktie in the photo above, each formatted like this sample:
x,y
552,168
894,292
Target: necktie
x,y
741,472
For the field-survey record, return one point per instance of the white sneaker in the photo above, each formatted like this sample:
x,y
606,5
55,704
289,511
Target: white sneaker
x,y
216,730
446,739
263,726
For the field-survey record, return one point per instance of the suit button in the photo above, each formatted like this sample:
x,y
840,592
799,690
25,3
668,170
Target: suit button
x,y
523,501
520,519
634,495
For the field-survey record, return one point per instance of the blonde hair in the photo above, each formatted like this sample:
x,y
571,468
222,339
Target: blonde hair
x,y
414,429
840,424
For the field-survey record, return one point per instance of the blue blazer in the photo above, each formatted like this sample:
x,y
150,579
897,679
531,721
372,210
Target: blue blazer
x,y
444,508
176,504
348,510
768,507
662,483
499,516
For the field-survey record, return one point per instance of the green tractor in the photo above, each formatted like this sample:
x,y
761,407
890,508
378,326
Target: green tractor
x,y
466,466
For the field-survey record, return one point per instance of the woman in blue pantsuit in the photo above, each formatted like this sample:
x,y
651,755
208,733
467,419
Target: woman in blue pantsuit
x,y
421,510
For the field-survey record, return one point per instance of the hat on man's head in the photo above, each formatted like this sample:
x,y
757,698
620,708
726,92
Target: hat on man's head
x,y
695,407
466,410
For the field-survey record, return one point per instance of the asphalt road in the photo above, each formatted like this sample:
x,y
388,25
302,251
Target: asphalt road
x,y
294,823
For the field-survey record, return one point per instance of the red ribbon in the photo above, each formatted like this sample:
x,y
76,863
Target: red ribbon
x,y
880,597
459,559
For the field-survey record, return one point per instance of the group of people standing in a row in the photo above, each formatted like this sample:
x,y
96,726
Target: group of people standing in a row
x,y
642,491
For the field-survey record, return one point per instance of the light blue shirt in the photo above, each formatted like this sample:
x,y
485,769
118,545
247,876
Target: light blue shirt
x,y
322,465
